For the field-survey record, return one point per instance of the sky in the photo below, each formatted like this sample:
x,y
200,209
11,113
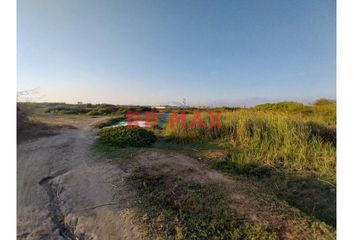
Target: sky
x,y
160,51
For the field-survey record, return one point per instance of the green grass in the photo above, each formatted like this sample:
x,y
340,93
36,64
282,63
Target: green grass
x,y
266,138
175,209
126,136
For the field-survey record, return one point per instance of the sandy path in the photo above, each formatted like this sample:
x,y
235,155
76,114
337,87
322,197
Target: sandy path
x,y
63,192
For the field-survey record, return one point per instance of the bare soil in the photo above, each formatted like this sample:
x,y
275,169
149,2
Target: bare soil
x,y
245,198
65,191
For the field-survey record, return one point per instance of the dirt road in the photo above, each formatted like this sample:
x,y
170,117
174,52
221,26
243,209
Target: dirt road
x,y
64,192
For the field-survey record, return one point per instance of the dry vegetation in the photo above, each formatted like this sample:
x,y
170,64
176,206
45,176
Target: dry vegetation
x,y
286,151
287,148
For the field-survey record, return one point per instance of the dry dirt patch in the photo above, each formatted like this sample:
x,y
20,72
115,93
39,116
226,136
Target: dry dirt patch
x,y
244,198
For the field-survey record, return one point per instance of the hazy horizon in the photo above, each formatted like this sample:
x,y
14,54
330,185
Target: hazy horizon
x,y
156,52
247,102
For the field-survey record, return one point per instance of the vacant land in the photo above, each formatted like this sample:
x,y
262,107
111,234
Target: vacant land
x,y
267,173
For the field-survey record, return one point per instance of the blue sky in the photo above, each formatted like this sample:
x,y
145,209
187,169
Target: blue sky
x,y
155,52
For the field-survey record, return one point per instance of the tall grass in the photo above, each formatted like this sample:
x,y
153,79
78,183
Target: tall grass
x,y
279,139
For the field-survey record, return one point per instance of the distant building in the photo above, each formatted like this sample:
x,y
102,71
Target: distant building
x,y
160,107
79,103
165,106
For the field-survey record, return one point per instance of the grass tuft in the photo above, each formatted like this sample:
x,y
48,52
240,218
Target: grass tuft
x,y
174,209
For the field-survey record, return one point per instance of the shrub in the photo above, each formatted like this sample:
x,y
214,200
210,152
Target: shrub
x,y
127,136
283,106
323,101
67,110
102,110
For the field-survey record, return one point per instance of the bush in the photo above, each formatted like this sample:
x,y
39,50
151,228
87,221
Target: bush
x,y
103,109
75,110
323,101
283,106
127,136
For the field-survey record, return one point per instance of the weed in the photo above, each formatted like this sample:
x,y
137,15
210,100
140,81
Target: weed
x,y
175,209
